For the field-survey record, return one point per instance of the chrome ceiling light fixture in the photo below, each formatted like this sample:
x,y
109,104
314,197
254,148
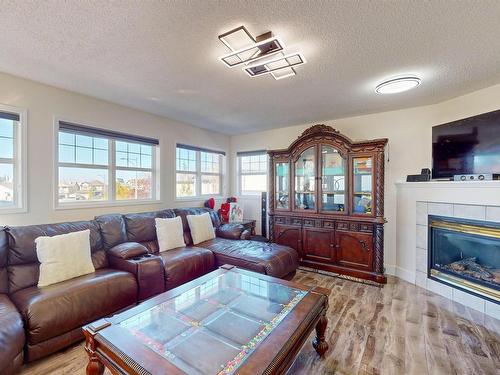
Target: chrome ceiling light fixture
x,y
249,51
257,51
398,84
279,66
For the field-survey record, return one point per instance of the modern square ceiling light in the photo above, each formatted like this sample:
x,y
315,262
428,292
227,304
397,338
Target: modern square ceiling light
x,y
276,66
247,50
283,73
253,52
237,38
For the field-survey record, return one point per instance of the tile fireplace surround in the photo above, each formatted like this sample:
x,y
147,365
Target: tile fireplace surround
x,y
415,202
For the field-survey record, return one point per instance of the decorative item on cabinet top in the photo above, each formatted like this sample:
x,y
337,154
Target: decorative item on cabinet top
x,y
327,201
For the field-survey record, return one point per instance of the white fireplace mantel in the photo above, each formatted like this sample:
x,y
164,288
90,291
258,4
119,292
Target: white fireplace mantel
x,y
478,200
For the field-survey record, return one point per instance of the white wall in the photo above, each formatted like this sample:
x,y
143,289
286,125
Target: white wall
x,y
409,150
44,102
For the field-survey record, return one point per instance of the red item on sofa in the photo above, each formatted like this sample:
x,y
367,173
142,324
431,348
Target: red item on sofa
x,y
224,212
210,203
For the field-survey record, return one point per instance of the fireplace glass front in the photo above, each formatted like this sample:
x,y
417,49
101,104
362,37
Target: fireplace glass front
x,y
465,254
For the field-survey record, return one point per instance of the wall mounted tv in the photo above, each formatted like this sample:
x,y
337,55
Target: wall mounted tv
x,y
467,146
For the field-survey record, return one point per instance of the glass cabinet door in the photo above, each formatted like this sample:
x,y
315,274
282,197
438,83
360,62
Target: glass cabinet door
x,y
333,180
282,176
362,185
305,178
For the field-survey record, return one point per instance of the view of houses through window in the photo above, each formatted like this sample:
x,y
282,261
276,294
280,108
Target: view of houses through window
x,y
252,168
198,172
99,168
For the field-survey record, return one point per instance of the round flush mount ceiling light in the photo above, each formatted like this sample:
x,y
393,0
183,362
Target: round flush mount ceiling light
x,y
397,85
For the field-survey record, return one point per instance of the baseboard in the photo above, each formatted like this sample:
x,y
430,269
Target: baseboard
x,y
405,274
390,269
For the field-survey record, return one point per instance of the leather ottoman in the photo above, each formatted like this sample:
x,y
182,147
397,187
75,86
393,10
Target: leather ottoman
x,y
267,258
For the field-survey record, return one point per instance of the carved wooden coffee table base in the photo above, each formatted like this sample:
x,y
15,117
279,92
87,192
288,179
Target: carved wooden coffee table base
x,y
124,343
319,343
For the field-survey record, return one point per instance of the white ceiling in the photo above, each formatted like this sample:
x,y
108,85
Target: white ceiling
x,y
162,56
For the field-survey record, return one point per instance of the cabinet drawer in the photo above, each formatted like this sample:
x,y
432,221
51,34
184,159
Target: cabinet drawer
x,y
328,224
295,221
368,228
309,222
342,225
280,220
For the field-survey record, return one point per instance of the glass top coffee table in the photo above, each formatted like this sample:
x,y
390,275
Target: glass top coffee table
x,y
226,322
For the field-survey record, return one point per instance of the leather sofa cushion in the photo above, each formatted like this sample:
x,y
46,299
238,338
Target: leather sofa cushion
x,y
22,239
23,268
4,251
267,258
185,264
141,227
11,333
113,229
59,308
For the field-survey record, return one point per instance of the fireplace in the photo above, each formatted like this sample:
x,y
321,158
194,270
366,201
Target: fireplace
x,y
466,255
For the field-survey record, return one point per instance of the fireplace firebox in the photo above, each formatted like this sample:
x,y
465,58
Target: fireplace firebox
x,y
466,255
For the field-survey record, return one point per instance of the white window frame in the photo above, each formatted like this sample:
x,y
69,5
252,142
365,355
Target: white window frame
x,y
111,169
240,173
199,174
19,162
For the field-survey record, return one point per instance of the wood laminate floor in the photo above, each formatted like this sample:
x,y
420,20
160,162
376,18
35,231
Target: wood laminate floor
x,y
397,329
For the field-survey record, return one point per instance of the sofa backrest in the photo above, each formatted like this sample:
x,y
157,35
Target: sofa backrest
x,y
113,230
141,227
23,265
4,253
183,212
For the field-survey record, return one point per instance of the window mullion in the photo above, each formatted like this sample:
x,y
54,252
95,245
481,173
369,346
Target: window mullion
x,y
15,167
154,171
221,182
111,170
198,173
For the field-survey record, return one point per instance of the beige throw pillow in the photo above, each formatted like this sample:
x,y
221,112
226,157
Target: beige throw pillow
x,y
63,257
169,233
201,227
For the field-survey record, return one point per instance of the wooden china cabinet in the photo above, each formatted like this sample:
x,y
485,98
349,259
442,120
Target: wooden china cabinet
x,y
327,202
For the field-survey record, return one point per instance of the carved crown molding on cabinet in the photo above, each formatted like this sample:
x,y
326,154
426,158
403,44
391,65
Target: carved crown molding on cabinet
x,y
322,132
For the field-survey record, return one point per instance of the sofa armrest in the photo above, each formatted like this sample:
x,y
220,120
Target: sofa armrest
x,y
12,336
230,231
246,235
128,250
148,270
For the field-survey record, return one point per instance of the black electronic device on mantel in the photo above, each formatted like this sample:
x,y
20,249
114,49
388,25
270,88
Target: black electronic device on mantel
x,y
425,175
470,146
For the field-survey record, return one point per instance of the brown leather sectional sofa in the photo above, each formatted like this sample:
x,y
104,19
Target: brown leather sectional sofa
x,y
35,322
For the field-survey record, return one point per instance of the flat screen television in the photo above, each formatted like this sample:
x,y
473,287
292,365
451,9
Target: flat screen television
x,y
467,146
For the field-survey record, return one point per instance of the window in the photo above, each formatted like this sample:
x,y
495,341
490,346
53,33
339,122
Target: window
x,y
12,159
252,167
198,172
101,166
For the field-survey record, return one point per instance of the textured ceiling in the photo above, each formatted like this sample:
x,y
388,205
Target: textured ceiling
x,y
162,56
